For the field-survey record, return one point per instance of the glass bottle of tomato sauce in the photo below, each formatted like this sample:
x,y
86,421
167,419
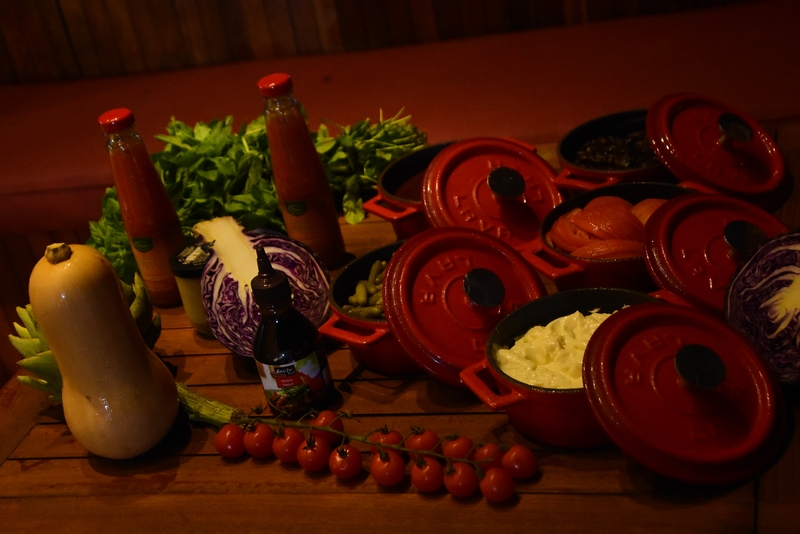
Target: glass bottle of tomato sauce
x,y
302,187
148,215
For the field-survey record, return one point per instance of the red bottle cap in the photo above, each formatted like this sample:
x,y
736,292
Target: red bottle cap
x,y
273,85
116,120
683,394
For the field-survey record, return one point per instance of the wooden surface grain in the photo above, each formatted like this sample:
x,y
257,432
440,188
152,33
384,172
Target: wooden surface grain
x,y
48,481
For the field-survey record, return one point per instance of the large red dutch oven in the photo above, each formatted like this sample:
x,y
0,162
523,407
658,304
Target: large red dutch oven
x,y
697,140
569,272
445,290
497,186
369,339
675,388
399,196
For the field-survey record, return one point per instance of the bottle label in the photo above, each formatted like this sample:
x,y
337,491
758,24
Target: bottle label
x,y
296,208
142,244
294,388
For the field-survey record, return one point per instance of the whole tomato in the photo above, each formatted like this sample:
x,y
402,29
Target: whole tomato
x,y
286,443
327,418
423,439
497,485
313,455
459,448
229,441
258,441
387,468
427,474
384,436
461,480
489,455
520,462
345,462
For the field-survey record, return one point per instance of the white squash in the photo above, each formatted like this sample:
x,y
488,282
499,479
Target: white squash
x,y
119,398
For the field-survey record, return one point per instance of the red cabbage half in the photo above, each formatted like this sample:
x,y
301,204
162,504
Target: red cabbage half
x,y
763,303
230,308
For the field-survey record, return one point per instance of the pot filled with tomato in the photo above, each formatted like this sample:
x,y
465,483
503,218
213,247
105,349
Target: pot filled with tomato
x,y
595,238
358,318
673,387
399,196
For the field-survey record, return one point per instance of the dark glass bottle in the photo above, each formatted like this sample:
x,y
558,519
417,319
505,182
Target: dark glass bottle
x,y
288,348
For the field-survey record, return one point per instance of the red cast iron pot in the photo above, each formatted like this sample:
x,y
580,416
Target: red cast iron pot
x,y
569,272
575,176
369,340
399,198
560,417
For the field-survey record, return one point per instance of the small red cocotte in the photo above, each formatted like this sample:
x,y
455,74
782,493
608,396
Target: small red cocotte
x,y
608,227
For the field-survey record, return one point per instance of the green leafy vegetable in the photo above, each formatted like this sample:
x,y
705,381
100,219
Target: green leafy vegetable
x,y
210,171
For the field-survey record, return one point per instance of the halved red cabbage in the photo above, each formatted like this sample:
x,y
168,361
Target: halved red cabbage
x,y
231,311
763,303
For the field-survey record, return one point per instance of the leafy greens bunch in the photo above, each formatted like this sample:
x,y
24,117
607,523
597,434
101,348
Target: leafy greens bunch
x,y
210,171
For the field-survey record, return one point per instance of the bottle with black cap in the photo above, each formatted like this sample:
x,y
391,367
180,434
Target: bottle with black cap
x,y
288,348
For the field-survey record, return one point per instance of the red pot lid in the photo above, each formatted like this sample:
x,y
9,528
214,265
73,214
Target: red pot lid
x,y
686,251
501,187
680,392
444,291
702,140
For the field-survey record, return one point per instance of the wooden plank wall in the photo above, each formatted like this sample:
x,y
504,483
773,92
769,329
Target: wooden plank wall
x,y
47,40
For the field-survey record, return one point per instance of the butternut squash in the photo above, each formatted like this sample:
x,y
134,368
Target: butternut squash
x,y
119,399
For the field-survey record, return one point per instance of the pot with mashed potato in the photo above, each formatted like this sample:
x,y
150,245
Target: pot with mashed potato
x,y
534,361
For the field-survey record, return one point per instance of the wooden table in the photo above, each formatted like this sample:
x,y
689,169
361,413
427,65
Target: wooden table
x,y
48,482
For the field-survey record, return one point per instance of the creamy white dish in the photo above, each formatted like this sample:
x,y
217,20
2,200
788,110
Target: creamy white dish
x,y
551,356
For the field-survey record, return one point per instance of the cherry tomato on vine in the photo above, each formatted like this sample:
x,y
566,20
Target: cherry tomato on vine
x,y
258,441
329,419
345,462
313,454
384,436
286,443
423,439
520,462
497,485
461,480
387,468
489,455
229,441
460,447
427,474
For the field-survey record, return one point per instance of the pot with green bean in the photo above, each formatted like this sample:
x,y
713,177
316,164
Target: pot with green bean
x,y
357,320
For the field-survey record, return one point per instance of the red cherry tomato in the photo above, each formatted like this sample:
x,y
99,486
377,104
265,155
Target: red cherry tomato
x,y
258,442
459,448
345,462
286,443
423,439
387,468
461,480
497,485
520,462
313,454
327,418
229,441
427,474
384,436
489,455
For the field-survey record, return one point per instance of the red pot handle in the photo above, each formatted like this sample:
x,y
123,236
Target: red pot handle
x,y
471,378
335,328
669,296
698,187
375,207
571,181
547,262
